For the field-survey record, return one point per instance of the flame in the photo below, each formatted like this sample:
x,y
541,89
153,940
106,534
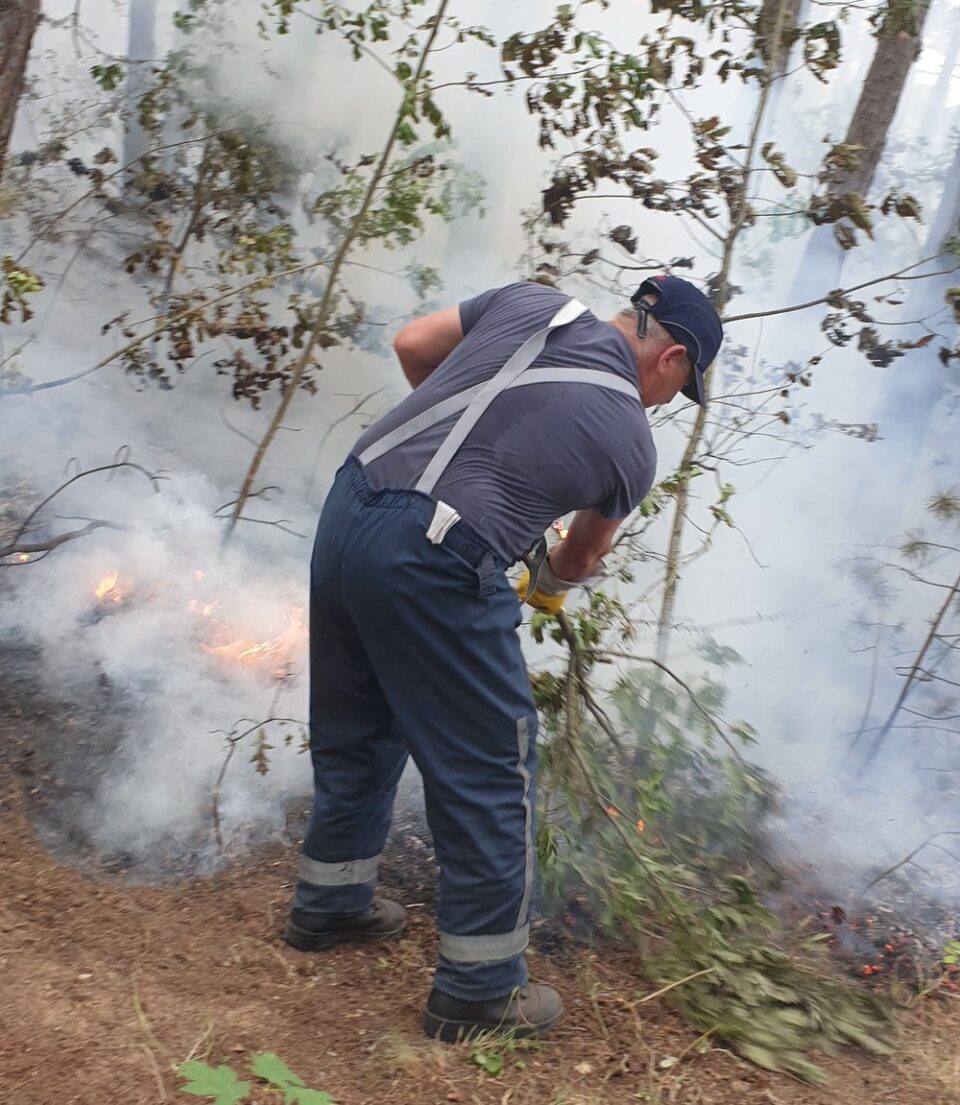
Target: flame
x,y
109,589
641,825
276,654
204,609
23,558
612,812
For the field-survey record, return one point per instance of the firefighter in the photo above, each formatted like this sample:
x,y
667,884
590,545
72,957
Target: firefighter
x,y
525,407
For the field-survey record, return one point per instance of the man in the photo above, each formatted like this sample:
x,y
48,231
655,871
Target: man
x,y
525,407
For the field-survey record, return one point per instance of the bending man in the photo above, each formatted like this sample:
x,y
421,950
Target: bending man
x,y
525,407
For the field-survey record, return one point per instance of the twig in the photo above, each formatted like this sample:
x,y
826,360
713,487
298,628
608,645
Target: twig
x,y
233,739
49,546
907,859
265,281
913,674
584,688
710,718
846,291
673,985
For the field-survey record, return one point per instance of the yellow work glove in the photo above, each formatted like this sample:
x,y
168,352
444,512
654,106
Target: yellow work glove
x,y
541,600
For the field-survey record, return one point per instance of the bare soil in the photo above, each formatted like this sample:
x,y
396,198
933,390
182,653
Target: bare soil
x,y
107,985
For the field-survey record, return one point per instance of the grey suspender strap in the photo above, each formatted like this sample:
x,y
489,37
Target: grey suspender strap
x,y
518,363
454,404
554,374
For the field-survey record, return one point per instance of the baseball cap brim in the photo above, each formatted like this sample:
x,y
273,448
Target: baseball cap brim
x,y
695,391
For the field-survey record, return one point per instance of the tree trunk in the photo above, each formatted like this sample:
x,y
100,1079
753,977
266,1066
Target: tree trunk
x,y
776,29
898,44
939,94
18,21
140,50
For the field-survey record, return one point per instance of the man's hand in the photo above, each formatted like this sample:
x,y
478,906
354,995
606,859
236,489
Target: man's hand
x,y
588,540
550,594
426,342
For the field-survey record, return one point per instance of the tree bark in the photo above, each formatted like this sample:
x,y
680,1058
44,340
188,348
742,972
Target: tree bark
x,y
776,32
18,21
898,44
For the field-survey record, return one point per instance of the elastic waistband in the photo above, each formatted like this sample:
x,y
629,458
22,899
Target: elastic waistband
x,y
461,538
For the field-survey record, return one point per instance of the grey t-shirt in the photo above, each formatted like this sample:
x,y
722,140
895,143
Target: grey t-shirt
x,y
539,451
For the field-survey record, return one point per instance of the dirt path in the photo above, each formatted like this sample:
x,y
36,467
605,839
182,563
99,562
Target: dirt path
x,y
105,988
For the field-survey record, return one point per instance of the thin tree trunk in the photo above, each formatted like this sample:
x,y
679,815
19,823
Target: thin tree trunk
x,y
18,21
140,52
939,94
776,31
738,218
912,674
946,221
898,45
326,303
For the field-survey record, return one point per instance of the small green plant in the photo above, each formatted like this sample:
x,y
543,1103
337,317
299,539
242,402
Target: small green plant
x,y
223,1087
488,1051
487,1059
951,953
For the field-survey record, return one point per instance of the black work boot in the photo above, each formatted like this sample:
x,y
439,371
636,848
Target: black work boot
x,y
310,932
523,1013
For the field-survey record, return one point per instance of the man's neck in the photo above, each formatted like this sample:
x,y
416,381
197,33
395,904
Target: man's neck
x,y
628,327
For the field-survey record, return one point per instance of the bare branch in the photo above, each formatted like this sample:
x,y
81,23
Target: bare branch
x,y
28,521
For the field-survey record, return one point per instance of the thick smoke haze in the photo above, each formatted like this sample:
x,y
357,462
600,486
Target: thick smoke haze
x,y
776,585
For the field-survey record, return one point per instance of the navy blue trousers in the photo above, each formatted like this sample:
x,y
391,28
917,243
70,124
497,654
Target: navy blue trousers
x,y
413,649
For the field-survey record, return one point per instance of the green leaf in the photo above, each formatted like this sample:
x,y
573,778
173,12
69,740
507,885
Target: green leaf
x,y
271,1068
219,1083
491,1062
309,1097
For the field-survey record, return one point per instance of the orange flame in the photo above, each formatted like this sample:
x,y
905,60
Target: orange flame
x,y
205,609
276,654
23,557
109,589
612,811
641,825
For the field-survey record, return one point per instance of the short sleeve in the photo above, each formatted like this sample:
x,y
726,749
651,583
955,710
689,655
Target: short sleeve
x,y
472,309
632,484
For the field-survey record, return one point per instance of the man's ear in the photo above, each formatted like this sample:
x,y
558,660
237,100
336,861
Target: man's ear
x,y
671,357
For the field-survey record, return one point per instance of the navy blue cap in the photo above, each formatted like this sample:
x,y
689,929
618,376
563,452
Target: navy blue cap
x,y
690,318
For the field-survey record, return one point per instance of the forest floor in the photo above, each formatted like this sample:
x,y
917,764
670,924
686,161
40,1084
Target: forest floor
x,y
108,984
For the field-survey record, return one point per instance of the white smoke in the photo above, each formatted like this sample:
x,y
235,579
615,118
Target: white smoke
x,y
802,686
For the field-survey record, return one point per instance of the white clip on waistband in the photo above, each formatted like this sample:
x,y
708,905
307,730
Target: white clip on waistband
x,y
444,519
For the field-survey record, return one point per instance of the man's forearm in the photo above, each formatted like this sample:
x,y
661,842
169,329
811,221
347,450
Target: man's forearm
x,y
573,565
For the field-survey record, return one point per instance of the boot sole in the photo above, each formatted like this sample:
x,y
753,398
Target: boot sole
x,y
455,1032
306,941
